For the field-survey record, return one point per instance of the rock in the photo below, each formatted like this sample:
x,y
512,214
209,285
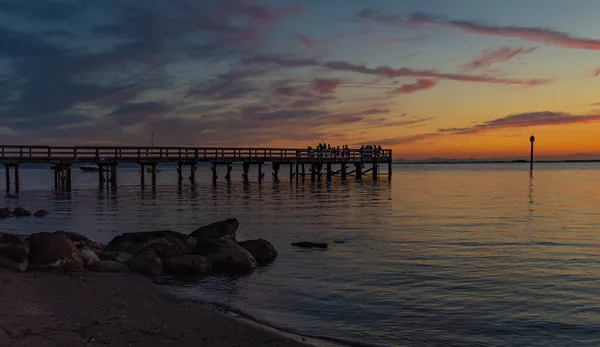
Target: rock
x,y
5,213
206,246
41,213
262,250
108,266
188,265
165,243
121,257
231,258
223,230
305,244
81,242
21,212
49,251
89,257
146,263
14,252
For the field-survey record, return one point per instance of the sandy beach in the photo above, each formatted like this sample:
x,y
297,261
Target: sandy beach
x,y
115,309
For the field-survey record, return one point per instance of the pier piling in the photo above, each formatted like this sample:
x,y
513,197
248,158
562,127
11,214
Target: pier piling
x,y
7,174
344,171
193,174
153,174
214,172
228,175
358,171
246,170
375,170
329,173
261,175
275,173
142,174
390,165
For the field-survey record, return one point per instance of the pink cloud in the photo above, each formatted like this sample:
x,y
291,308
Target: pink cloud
x,y
326,85
304,40
533,34
419,85
597,72
488,57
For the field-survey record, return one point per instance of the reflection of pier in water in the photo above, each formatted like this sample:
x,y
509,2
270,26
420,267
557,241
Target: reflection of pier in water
x,y
352,161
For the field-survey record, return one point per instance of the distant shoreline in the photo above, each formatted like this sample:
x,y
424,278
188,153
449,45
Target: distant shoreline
x,y
495,161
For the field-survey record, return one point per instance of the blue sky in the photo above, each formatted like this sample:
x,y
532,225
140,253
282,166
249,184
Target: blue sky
x,y
428,78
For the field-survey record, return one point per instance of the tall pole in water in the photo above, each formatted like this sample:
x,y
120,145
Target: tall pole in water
x,y
532,140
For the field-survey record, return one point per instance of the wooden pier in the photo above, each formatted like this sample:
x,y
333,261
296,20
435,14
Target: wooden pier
x,y
108,157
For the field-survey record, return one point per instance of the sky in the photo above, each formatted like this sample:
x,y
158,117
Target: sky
x,y
426,78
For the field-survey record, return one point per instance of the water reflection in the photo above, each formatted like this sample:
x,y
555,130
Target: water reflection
x,y
450,249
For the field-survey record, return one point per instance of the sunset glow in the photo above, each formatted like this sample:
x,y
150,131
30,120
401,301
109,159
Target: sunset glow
x,y
452,79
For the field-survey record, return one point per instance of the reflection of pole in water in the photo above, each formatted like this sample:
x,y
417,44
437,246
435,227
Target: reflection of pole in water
x,y
532,140
530,192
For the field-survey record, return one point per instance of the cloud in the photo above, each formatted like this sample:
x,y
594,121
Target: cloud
x,y
138,112
544,36
303,40
524,120
491,56
419,85
596,73
520,120
6,131
385,71
289,114
326,85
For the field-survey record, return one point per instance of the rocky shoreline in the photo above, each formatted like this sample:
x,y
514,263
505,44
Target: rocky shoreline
x,y
211,249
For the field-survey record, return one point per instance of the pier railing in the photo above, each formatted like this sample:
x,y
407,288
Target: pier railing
x,y
184,154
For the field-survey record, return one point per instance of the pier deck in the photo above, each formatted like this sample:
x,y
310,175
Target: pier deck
x,y
108,157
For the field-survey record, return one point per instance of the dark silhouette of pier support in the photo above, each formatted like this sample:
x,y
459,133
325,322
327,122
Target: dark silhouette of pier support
x,y
15,168
246,168
179,173
358,170
192,178
213,168
153,174
303,172
344,170
329,172
113,175
228,175
142,174
275,173
292,172
375,170
261,175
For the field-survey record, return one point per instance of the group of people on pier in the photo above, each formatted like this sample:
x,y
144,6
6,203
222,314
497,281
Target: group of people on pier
x,y
323,150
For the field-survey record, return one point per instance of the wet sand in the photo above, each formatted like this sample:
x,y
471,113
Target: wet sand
x,y
99,309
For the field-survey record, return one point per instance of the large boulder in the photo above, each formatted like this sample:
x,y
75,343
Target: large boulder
x,y
54,251
14,252
187,265
262,250
222,230
5,213
81,242
147,263
165,243
231,258
108,266
21,212
41,213
121,257
207,246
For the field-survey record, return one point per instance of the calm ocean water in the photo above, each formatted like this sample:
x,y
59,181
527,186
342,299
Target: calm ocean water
x,y
442,255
